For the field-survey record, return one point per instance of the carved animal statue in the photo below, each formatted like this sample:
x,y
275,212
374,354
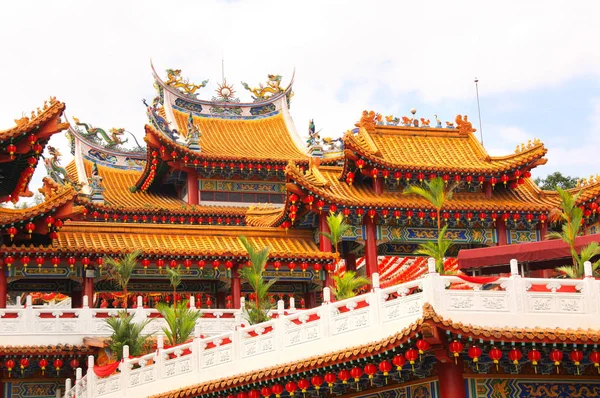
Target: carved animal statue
x,y
379,118
332,143
96,131
425,122
174,79
367,121
406,121
450,125
438,122
53,168
463,124
313,135
263,92
392,121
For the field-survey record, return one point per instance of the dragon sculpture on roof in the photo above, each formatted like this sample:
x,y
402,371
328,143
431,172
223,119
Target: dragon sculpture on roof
x,y
264,92
112,140
174,79
54,169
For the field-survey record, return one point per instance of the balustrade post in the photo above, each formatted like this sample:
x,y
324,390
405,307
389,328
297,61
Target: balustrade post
x,y
589,293
158,358
292,305
236,344
124,368
515,288
196,352
375,298
433,286
278,325
68,387
139,313
85,317
30,318
192,302
91,377
78,375
326,295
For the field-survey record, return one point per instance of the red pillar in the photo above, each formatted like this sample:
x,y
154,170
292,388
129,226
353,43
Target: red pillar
x,y
487,189
351,262
236,287
192,187
501,228
370,246
543,230
451,381
377,186
2,286
325,245
310,300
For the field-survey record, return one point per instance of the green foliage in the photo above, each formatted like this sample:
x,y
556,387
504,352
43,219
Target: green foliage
x,y
181,321
556,180
437,249
174,279
337,228
257,309
120,270
126,332
345,286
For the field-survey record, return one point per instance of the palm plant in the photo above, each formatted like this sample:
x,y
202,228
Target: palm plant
x,y
181,321
127,332
175,280
435,192
345,286
120,270
256,309
436,249
571,217
337,228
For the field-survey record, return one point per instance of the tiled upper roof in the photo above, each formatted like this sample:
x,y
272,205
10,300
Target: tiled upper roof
x,y
526,197
53,109
435,150
59,349
63,195
262,139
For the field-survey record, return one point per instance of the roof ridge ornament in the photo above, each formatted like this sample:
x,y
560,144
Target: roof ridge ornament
x,y
53,168
193,135
272,88
95,133
464,126
95,182
175,80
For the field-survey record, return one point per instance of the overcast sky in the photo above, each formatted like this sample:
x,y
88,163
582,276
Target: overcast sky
x,y
537,62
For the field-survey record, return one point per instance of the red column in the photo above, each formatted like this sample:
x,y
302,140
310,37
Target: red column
x,y
487,189
351,262
377,186
543,230
236,287
450,378
3,286
370,246
310,300
325,245
501,228
192,187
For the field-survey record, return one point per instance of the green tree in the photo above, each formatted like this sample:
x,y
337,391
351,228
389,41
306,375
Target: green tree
x,y
181,321
337,228
127,332
571,217
345,286
120,270
175,280
436,193
556,180
257,309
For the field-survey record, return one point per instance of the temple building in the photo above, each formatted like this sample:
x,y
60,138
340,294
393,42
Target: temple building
x,y
214,170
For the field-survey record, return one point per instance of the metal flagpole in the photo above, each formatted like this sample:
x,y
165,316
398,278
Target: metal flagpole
x,y
479,109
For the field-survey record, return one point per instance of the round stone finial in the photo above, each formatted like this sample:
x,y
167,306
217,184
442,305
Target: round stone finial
x,y
226,92
413,110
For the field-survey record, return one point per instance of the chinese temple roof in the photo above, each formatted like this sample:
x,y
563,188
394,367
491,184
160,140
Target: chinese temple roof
x,y
429,321
168,240
63,196
22,145
59,349
439,150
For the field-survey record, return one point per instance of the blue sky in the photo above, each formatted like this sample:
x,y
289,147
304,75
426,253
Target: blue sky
x,y
538,68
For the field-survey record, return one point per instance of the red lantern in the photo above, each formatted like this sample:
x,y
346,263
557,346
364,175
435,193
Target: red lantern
x,y
85,261
333,208
397,214
310,199
374,173
145,263
515,356
371,371
423,346
495,354
320,204
421,215
385,213
594,207
372,213
493,181
254,394
12,231
291,387
30,227
291,266
71,261
408,176
173,264
412,355
357,373
303,384
330,378
24,363
446,178
277,390
330,267
595,358
39,261
421,177
534,356
556,357
304,266
360,163
55,261
344,376
475,353
399,362
360,212
576,356
386,366
317,381
160,263
11,148
25,261
58,224
265,392
456,348
50,221
216,264
10,365
74,363
42,363
346,212
277,265
37,148
187,263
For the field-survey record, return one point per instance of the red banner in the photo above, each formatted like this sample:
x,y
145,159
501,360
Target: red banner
x,y
106,370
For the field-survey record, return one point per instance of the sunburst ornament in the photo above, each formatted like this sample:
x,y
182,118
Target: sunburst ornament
x,y
225,92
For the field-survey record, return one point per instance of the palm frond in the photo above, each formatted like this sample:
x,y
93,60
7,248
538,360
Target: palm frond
x,y
120,270
437,250
174,275
345,286
568,271
337,228
434,191
181,321
127,332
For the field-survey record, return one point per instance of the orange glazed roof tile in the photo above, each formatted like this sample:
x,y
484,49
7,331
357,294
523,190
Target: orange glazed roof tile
x,y
51,110
526,197
442,150
118,195
264,217
64,195
261,139
429,319
59,349
158,239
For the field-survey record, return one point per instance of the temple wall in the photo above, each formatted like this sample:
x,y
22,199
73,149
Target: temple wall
x,y
32,388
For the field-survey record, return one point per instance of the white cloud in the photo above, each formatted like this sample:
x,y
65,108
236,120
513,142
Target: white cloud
x,y
95,56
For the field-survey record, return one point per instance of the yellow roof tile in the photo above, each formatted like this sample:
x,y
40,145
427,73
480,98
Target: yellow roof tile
x,y
264,139
429,149
526,197
63,196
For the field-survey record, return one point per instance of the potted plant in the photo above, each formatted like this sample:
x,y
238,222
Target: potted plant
x,y
120,270
181,321
257,309
127,332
